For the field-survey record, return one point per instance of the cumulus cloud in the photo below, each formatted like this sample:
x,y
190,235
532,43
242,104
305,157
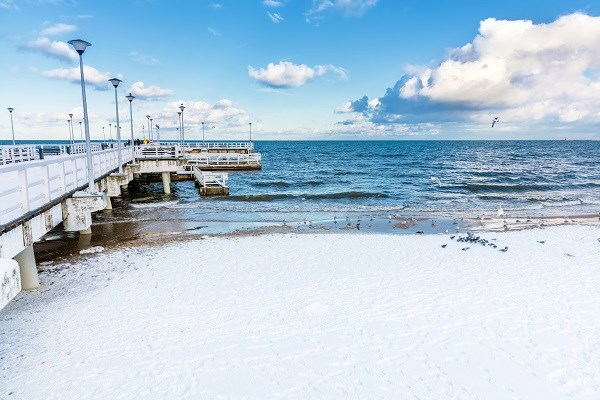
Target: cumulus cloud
x,y
348,7
275,17
223,114
286,74
517,69
92,76
54,49
58,29
144,59
149,93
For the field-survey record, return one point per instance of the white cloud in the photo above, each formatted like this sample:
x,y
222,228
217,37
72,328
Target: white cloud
x,y
58,29
517,70
275,17
285,74
272,3
55,49
223,115
213,32
144,59
9,5
92,76
348,7
215,6
149,93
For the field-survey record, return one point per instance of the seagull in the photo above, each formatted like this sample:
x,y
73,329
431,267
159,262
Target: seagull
x,y
494,121
500,211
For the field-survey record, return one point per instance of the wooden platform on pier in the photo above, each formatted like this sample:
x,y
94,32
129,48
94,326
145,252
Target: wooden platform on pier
x,y
211,183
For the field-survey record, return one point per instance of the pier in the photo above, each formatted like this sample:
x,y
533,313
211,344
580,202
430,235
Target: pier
x,y
44,186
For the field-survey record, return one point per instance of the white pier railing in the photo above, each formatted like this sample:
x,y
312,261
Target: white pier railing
x,y
212,145
224,159
17,154
210,179
31,185
157,151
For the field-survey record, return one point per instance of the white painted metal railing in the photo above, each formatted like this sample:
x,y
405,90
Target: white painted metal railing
x,y
157,151
208,179
28,186
213,145
224,159
17,154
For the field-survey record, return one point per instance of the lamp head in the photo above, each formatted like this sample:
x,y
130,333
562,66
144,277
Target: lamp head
x,y
10,109
70,115
79,45
147,116
181,107
130,97
115,82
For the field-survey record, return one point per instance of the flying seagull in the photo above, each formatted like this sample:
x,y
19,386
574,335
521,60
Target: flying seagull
x,y
494,121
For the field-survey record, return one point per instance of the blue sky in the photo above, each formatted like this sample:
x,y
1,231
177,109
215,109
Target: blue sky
x,y
307,69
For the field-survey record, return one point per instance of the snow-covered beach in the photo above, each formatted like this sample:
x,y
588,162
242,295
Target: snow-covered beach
x,y
333,316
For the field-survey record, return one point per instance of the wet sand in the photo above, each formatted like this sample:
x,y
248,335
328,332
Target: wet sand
x,y
107,235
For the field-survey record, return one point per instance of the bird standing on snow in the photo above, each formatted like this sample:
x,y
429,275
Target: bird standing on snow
x,y
494,121
500,211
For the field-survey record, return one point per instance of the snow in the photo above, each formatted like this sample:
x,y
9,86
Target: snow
x,y
330,316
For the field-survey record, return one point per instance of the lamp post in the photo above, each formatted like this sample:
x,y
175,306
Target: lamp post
x,y
149,136
179,129
250,123
202,133
80,131
178,138
151,130
71,135
110,132
103,135
80,46
181,107
157,133
115,82
10,110
130,97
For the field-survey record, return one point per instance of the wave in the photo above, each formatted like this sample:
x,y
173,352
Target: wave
x,y
160,204
498,187
286,183
320,196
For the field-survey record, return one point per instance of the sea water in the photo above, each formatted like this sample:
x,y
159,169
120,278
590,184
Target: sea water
x,y
315,181
318,180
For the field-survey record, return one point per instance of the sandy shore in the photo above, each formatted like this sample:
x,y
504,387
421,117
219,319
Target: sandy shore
x,y
333,316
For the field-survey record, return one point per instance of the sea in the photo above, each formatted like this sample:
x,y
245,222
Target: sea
x,y
329,183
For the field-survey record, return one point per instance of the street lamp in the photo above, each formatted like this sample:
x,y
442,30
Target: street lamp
x,y
80,131
157,133
202,133
250,123
110,132
10,110
130,97
103,134
71,134
151,130
149,135
179,130
115,82
181,107
80,46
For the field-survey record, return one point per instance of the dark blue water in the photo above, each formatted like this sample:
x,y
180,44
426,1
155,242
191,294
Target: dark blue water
x,y
427,176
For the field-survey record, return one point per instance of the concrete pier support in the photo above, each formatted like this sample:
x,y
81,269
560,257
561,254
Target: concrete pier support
x,y
166,179
28,269
108,203
114,183
77,211
10,280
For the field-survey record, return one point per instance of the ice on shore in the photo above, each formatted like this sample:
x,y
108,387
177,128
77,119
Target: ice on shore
x,y
315,316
